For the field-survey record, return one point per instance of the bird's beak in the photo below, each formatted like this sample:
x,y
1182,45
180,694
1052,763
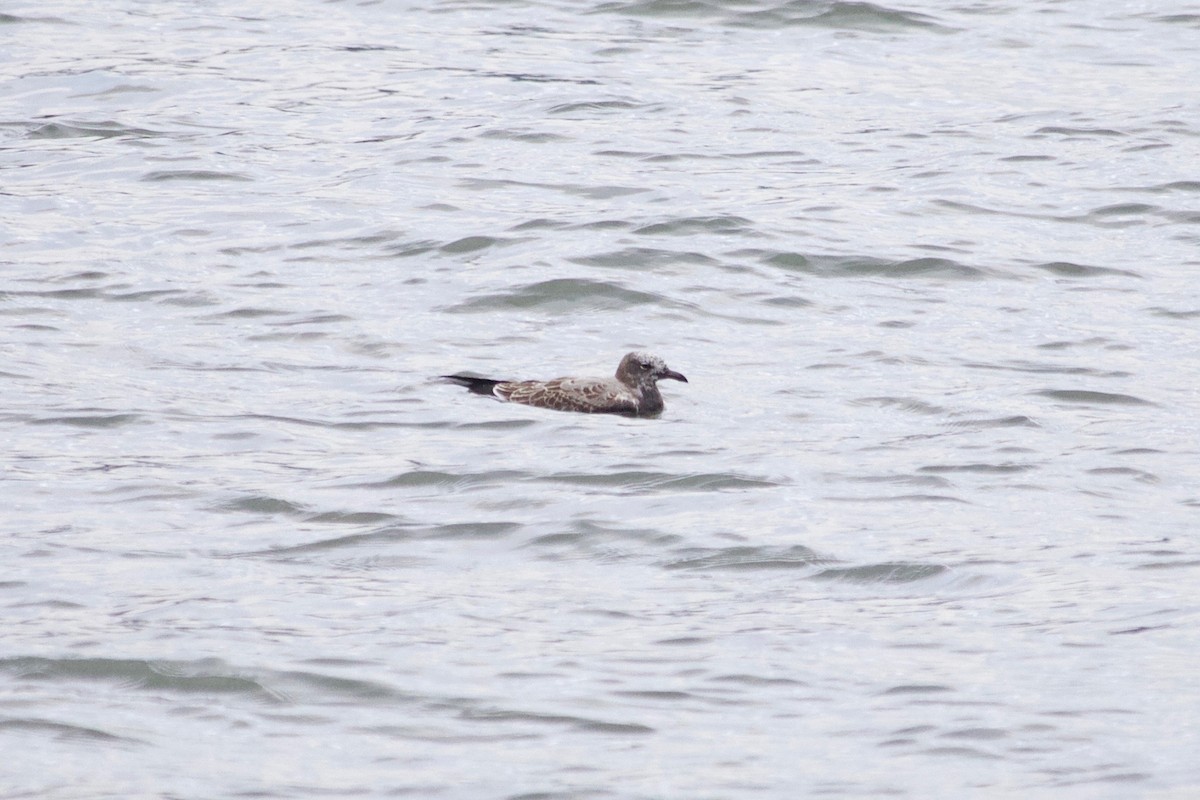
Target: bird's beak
x,y
675,376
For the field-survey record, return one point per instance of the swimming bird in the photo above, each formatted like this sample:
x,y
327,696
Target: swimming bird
x,y
632,391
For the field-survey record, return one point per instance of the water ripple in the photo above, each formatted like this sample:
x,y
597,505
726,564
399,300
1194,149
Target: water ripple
x,y
1086,397
561,296
840,14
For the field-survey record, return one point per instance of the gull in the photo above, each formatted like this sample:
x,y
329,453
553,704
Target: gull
x,y
632,391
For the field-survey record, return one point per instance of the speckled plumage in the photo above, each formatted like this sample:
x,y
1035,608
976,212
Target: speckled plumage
x,y
633,390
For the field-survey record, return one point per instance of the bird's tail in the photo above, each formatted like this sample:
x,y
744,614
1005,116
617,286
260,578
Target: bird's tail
x,y
476,385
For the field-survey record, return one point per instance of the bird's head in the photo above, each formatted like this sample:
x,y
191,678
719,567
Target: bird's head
x,y
644,369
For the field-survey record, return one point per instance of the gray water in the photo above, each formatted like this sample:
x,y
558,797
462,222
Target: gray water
x,y
922,524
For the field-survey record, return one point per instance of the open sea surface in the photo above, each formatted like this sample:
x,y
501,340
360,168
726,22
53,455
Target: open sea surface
x,y
923,523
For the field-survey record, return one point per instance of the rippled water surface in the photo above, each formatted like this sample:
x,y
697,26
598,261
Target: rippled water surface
x,y
921,524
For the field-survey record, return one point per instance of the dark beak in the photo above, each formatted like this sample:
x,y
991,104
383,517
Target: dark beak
x,y
673,375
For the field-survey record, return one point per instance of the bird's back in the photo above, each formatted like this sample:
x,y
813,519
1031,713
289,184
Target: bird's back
x,y
587,395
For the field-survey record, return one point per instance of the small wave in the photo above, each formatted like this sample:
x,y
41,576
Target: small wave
x,y
385,536
425,478
888,572
353,517
917,688
902,498
471,244
262,504
852,16
1037,368
1167,313
991,469
59,730
599,107
496,425
642,258
747,558
532,137
870,266
688,226
1067,269
909,404
1087,133
562,295
88,130
139,295
924,481
1124,209
599,192
578,723
588,537
159,176
1084,397
1017,421
206,676
90,421
648,482
247,313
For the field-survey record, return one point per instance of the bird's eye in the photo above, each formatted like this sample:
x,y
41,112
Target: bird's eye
x,y
644,365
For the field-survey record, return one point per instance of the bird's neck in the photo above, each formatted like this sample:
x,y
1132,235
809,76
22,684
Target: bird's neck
x,y
651,401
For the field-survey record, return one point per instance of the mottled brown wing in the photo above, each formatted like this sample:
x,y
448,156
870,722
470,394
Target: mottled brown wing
x,y
570,394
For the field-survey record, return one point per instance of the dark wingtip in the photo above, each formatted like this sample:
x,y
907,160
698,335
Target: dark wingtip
x,y
476,385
